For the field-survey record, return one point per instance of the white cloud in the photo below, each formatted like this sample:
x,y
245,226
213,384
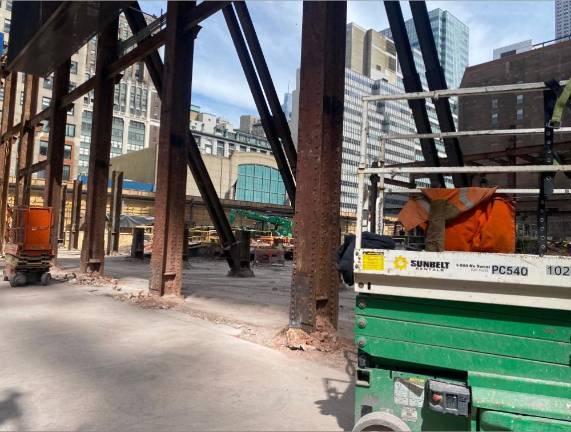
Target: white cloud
x,y
219,80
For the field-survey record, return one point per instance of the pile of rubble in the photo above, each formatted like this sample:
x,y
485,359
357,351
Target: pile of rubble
x,y
94,279
323,339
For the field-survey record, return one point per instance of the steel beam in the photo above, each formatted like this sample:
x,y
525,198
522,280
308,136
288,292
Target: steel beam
x,y
315,285
93,251
260,101
147,48
152,59
26,142
56,146
437,81
198,168
166,260
8,106
75,215
412,83
115,211
279,118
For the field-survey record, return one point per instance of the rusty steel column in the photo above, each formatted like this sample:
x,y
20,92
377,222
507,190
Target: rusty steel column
x,y
166,259
63,203
8,109
56,145
26,142
115,212
315,285
93,247
75,215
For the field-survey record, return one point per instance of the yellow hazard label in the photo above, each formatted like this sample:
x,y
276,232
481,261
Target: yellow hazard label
x,y
373,261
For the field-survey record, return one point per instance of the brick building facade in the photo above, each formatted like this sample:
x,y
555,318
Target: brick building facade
x,y
513,110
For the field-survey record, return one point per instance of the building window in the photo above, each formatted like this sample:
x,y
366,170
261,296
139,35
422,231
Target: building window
x,y
220,148
136,136
519,114
21,98
46,101
120,98
138,101
7,24
243,148
67,151
71,86
73,68
494,103
139,71
69,130
43,148
48,82
519,99
1,94
71,110
65,172
259,183
8,5
494,119
117,136
155,106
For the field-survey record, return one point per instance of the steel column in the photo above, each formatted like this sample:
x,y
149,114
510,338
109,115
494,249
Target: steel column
x,y
62,206
26,142
56,146
437,81
166,259
8,106
115,211
412,83
196,164
315,285
258,95
267,83
93,251
75,215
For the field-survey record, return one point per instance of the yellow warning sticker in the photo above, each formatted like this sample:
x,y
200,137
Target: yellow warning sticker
x,y
373,261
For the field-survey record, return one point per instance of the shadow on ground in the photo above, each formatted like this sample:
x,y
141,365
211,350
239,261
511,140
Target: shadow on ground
x,y
10,410
337,401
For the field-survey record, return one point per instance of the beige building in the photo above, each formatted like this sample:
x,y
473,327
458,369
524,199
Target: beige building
x,y
247,122
370,53
225,172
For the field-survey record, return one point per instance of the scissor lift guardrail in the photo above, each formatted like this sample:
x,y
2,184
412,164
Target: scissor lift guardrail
x,y
510,279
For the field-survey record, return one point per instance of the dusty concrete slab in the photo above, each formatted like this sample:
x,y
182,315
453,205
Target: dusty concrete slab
x,y
261,301
74,358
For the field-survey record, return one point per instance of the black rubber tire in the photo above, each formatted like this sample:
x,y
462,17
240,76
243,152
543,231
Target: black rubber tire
x,y
20,279
45,279
380,422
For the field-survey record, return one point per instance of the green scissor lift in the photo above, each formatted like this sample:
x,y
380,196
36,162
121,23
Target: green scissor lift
x,y
455,340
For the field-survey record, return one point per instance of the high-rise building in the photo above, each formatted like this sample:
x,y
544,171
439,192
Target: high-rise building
x,y
136,112
562,18
452,43
287,106
512,49
247,122
384,117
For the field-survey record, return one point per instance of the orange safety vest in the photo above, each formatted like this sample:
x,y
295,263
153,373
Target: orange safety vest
x,y
485,222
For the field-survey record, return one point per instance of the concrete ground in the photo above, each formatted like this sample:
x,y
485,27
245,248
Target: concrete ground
x,y
261,301
73,358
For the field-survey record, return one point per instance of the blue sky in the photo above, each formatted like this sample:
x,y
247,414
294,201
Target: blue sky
x,y
219,85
